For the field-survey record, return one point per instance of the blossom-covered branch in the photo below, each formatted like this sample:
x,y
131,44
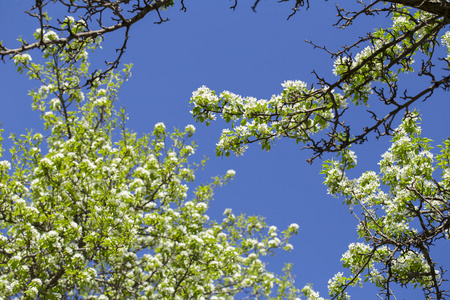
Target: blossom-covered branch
x,y
317,117
402,211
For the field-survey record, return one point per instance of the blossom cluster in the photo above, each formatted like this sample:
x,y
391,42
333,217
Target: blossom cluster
x,y
296,113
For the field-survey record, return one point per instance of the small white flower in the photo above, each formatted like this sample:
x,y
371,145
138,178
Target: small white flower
x,y
25,58
37,282
160,126
101,101
227,211
272,229
231,173
294,226
288,247
5,165
69,19
190,128
274,243
55,103
190,149
400,20
82,22
33,291
293,84
50,36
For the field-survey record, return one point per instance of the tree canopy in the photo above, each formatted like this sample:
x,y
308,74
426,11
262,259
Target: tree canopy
x,y
98,216
101,217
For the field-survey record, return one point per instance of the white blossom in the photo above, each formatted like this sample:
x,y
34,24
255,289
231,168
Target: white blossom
x,y
50,36
231,173
5,165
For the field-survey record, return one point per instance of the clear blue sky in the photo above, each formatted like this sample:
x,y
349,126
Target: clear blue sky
x,y
249,54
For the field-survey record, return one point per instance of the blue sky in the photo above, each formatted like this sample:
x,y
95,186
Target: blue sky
x,y
249,54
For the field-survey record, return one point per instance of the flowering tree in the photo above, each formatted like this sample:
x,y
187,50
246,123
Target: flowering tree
x,y
102,218
402,210
90,211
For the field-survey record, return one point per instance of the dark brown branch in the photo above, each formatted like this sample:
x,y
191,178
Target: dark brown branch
x,y
88,34
437,7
